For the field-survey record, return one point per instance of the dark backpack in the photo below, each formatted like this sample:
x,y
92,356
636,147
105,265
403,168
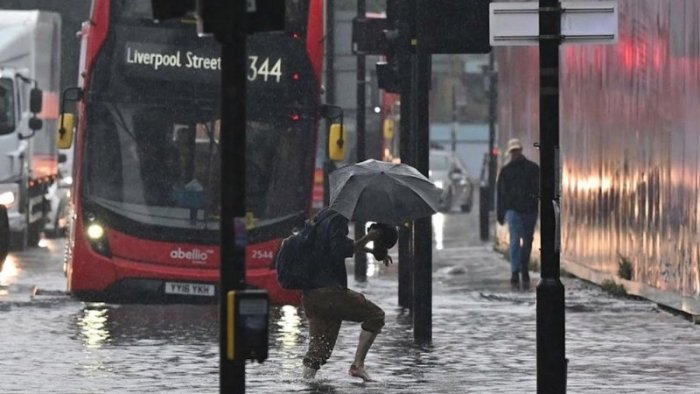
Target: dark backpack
x,y
296,257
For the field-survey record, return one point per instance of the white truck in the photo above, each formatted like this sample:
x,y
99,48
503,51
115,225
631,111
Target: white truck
x,y
29,100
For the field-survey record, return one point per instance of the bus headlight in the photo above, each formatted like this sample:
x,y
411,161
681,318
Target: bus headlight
x,y
97,235
95,231
7,199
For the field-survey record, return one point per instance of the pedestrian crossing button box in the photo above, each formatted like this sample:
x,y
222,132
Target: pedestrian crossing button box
x,y
248,313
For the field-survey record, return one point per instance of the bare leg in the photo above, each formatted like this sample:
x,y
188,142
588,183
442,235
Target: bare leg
x,y
357,368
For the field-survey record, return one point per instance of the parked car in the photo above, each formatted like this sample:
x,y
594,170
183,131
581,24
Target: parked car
x,y
59,197
451,175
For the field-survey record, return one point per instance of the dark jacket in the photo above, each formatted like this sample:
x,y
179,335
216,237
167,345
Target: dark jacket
x,y
517,188
332,248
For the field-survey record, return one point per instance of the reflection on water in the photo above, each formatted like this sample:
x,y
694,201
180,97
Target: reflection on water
x,y
289,326
372,267
10,271
155,348
285,337
99,323
93,327
438,230
43,243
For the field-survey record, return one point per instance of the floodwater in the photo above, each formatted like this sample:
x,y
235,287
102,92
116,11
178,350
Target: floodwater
x,y
483,336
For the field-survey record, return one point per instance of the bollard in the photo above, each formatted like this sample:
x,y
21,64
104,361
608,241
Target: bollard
x,y
484,212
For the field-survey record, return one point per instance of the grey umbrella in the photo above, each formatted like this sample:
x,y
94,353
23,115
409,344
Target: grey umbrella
x,y
383,192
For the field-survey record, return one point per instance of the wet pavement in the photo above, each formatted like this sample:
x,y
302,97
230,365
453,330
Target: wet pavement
x,y
483,336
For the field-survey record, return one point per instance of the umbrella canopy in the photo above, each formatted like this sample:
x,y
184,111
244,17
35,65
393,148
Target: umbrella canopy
x,y
383,192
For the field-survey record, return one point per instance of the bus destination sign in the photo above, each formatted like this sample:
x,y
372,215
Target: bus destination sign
x,y
166,62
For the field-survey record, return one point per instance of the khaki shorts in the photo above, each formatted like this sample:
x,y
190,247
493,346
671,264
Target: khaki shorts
x,y
326,308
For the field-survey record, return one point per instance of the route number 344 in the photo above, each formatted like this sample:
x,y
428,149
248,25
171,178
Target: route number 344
x,y
264,68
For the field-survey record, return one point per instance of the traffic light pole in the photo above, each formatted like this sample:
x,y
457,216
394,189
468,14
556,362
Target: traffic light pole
x,y
422,236
360,258
233,153
406,27
405,232
328,165
551,355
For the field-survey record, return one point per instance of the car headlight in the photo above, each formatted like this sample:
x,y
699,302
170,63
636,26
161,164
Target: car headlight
x,y
66,181
439,184
7,199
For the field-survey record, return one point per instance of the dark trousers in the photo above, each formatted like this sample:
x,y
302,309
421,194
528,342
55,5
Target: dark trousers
x,y
326,308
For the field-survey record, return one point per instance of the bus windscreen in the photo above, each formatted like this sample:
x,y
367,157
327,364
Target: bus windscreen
x,y
153,155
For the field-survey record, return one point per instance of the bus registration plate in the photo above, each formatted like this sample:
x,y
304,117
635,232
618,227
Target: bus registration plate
x,y
194,289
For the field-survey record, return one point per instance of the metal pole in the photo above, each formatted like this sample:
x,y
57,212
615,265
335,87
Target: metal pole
x,y
551,358
233,153
493,94
484,213
453,131
406,257
328,165
405,232
422,239
360,258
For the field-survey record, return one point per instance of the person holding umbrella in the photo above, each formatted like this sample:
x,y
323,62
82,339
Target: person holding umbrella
x,y
328,302
370,191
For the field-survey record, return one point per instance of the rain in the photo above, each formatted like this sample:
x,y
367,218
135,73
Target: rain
x,y
120,164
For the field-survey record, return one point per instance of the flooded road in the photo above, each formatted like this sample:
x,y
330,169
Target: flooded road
x,y
483,336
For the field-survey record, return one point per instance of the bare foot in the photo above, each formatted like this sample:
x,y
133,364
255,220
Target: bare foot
x,y
359,372
309,373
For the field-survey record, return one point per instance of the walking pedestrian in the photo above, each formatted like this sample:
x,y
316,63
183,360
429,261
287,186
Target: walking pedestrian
x,y
517,204
328,302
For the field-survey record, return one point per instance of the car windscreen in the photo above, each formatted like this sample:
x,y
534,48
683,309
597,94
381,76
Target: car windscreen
x,y
7,106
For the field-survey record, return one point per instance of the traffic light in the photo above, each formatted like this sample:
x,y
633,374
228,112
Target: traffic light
x,y
368,36
387,76
390,37
397,37
377,36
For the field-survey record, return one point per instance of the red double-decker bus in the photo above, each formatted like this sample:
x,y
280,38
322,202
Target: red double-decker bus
x,y
146,206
